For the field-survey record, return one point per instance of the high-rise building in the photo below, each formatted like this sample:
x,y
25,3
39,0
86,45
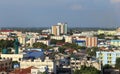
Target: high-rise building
x,y
56,30
91,41
63,27
60,28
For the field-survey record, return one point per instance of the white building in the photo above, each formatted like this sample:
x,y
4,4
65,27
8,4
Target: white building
x,y
68,39
14,57
47,42
22,40
38,64
32,40
57,37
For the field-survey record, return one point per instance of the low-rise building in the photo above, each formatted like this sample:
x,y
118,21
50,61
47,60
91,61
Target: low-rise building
x,y
57,37
115,43
5,65
77,63
47,63
14,57
107,57
47,42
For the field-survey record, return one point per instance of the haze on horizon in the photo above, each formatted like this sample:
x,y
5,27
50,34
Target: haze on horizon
x,y
45,13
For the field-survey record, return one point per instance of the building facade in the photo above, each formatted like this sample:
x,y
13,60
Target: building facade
x,y
56,30
60,28
107,57
91,41
115,43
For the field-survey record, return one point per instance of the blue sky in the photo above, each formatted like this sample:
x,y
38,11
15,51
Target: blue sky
x,y
45,13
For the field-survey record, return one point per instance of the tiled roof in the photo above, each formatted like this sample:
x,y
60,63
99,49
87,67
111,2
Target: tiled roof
x,y
23,71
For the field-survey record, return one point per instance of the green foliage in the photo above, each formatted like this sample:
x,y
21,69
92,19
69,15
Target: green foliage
x,y
107,66
39,45
87,70
101,36
6,43
61,49
54,41
81,47
71,45
92,51
116,37
117,65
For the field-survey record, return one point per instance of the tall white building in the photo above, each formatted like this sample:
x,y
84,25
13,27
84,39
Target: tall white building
x,y
60,28
56,30
63,27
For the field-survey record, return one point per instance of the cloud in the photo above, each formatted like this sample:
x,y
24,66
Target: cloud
x,y
115,1
76,7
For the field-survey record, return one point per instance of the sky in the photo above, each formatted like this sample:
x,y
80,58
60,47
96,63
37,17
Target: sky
x,y
45,13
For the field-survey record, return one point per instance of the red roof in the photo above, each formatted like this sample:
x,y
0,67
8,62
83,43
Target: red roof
x,y
22,71
6,31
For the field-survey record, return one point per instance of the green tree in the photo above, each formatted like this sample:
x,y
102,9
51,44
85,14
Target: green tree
x,y
101,36
61,49
87,70
92,51
53,41
107,66
71,45
6,44
76,71
39,45
116,37
117,65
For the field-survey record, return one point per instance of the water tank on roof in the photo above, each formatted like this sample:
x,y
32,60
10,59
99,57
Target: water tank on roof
x,y
4,51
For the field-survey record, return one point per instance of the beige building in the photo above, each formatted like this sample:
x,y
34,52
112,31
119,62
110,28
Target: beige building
x,y
14,57
91,41
57,37
56,30
39,64
76,64
118,29
22,40
47,42
107,32
32,40
68,39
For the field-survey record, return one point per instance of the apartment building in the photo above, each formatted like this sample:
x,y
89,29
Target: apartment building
x,y
115,43
107,57
91,41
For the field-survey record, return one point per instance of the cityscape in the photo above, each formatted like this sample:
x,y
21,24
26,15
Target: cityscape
x,y
60,37
58,51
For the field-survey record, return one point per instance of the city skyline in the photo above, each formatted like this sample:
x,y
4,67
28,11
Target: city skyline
x,y
77,13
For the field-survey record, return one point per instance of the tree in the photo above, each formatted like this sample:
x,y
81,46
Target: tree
x,y
101,36
71,45
61,49
76,71
116,37
88,70
92,51
53,41
117,65
40,45
6,44
107,66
